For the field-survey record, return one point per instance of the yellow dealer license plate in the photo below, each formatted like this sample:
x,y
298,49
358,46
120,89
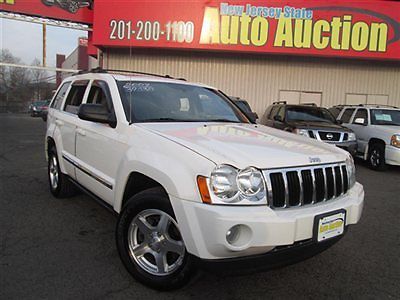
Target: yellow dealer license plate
x,y
329,225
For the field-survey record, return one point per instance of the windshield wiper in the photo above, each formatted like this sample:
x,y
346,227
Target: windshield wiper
x,y
168,120
222,120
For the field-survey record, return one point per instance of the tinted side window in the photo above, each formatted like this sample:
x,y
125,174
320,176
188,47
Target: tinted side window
x,y
267,112
75,97
281,113
361,113
97,96
58,99
347,115
335,111
273,112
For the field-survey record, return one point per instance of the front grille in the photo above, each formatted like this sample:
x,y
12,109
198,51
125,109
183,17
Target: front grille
x,y
306,185
329,136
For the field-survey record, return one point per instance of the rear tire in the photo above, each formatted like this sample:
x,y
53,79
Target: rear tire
x,y
60,185
153,250
376,157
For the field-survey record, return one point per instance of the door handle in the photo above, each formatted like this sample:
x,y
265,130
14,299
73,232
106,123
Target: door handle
x,y
81,132
59,123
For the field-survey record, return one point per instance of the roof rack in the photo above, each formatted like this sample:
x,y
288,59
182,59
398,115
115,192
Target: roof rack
x,y
309,104
280,102
381,105
365,105
101,70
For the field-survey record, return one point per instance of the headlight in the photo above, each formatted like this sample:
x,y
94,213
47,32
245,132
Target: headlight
x,y
241,187
351,136
303,132
223,182
351,171
395,140
34,108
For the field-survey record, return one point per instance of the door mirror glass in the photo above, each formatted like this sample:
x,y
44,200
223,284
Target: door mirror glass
x,y
278,118
359,121
94,113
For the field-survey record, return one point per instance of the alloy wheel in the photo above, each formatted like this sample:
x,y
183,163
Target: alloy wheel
x,y
53,172
155,243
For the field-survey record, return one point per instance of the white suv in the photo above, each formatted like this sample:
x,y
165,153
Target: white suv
x,y
193,181
377,128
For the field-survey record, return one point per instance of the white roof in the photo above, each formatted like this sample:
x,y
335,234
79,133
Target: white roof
x,y
136,77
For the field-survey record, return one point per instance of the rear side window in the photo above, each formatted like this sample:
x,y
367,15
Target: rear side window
x,y
58,99
335,111
273,112
361,113
347,115
75,97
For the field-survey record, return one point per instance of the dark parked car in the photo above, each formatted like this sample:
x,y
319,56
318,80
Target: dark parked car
x,y
311,121
245,108
37,108
70,5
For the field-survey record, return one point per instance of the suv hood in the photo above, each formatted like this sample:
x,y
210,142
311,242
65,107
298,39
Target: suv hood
x,y
319,126
243,145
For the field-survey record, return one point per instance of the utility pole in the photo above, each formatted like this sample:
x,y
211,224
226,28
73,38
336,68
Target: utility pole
x,y
44,44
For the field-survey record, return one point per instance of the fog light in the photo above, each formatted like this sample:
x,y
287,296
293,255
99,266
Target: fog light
x,y
232,235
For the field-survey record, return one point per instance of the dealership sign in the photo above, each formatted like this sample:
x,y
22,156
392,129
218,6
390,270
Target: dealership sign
x,y
369,29
79,11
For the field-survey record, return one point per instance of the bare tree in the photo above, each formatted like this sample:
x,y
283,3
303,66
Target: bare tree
x,y
20,86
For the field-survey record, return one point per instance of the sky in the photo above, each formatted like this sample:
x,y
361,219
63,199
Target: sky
x,y
24,40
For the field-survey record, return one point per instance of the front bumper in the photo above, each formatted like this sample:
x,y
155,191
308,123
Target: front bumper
x,y
204,227
350,147
279,257
392,155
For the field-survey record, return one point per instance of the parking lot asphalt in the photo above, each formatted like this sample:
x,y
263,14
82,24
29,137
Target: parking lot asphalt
x,y
65,249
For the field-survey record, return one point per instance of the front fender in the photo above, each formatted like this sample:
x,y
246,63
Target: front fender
x,y
173,166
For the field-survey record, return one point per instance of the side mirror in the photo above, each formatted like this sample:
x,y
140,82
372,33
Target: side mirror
x,y
340,122
252,116
278,118
360,121
96,113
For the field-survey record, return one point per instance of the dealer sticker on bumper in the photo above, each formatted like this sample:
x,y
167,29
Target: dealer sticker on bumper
x,y
330,225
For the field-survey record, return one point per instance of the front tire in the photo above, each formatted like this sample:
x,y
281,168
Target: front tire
x,y
150,244
60,185
376,157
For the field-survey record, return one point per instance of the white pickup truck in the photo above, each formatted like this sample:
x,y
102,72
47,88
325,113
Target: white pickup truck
x,y
377,128
193,181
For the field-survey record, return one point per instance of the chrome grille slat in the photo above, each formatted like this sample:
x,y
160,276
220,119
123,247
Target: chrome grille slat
x,y
269,189
334,181
285,181
293,195
325,184
301,188
314,193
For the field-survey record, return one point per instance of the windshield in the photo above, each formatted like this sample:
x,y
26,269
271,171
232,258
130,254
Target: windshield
x,y
311,114
172,102
385,117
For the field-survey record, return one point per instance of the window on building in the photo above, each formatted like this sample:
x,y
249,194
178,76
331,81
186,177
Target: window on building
x,y
347,115
58,99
